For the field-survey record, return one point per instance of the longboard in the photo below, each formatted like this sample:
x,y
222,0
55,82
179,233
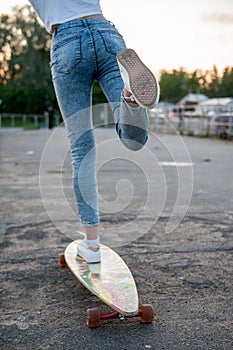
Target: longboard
x,y
111,281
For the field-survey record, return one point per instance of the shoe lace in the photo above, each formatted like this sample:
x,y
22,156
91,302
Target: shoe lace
x,y
94,247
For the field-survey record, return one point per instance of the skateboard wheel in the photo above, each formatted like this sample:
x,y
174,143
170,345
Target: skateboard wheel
x,y
93,318
62,260
147,313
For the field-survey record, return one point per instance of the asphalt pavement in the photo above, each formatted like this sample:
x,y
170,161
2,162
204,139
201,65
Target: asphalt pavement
x,y
167,210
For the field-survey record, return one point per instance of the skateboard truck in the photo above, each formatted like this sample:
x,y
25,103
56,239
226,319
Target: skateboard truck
x,y
146,314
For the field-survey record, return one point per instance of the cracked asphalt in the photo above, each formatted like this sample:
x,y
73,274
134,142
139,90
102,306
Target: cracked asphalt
x,y
184,272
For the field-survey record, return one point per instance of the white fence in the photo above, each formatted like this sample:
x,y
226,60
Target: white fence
x,y
193,120
187,120
24,120
101,116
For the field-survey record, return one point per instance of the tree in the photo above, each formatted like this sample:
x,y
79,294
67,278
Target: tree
x,y
226,83
98,95
174,85
24,63
214,80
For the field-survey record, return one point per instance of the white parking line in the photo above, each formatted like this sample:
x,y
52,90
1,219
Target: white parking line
x,y
176,164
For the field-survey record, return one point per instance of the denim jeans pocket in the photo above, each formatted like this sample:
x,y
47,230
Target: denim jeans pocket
x,y
65,53
113,40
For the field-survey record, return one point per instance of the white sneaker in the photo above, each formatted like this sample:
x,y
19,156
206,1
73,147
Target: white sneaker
x,y
91,253
138,79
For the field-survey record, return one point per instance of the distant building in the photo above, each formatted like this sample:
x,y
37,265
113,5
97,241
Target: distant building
x,y
188,106
192,99
217,105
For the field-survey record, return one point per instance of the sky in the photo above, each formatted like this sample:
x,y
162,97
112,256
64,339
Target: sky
x,y
169,34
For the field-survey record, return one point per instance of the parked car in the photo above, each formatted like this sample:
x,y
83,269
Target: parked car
x,y
221,125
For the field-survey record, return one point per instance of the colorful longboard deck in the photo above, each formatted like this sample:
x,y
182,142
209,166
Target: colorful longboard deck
x,y
111,281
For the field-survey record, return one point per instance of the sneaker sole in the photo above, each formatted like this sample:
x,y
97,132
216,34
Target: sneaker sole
x,y
142,82
89,259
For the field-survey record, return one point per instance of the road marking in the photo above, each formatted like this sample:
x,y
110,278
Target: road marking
x,y
177,164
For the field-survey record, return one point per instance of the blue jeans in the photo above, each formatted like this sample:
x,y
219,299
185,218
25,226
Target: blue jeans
x,y
83,51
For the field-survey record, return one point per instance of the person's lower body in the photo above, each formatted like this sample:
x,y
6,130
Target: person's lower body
x,y
50,126
83,51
